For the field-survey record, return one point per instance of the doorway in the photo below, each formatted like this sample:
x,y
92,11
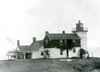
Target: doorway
x,y
28,55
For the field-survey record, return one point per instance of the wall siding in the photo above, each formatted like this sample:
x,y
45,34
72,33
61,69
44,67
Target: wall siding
x,y
55,53
37,53
83,36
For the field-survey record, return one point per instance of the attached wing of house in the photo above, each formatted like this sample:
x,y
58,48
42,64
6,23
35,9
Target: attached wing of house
x,y
27,51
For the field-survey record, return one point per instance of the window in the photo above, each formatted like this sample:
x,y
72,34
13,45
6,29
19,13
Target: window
x,y
65,43
46,41
65,40
74,42
61,42
74,50
42,53
61,52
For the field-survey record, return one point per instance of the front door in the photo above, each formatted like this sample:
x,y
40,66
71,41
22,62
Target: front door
x,y
28,55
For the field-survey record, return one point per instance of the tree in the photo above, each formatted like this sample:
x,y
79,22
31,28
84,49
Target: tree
x,y
81,52
66,45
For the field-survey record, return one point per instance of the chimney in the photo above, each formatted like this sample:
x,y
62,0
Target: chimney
x,y
34,39
46,32
63,32
18,43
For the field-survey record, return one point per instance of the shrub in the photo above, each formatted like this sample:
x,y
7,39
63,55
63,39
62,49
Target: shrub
x,y
96,63
83,65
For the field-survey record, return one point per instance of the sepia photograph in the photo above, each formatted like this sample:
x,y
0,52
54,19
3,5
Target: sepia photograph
x,y
49,36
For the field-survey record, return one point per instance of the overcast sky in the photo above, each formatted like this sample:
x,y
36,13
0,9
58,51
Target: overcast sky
x,y
24,19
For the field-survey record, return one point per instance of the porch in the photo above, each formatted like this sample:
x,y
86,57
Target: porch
x,y
19,55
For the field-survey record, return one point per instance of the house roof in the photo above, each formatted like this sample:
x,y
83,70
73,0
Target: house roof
x,y
33,47
58,36
37,45
25,48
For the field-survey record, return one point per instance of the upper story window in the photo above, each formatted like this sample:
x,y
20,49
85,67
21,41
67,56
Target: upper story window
x,y
61,42
65,41
74,42
46,41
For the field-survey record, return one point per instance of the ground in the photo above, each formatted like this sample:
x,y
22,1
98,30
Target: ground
x,y
46,65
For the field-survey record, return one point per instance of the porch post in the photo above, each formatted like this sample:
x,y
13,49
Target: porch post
x,y
24,55
8,56
16,56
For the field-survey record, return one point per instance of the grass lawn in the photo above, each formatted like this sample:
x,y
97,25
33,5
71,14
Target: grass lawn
x,y
46,65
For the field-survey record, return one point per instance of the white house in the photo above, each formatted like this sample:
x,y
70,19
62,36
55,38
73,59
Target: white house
x,y
55,45
77,39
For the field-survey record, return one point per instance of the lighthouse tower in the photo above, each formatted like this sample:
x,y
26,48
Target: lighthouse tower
x,y
82,33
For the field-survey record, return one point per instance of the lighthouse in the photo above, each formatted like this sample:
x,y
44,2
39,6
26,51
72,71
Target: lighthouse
x,y
82,33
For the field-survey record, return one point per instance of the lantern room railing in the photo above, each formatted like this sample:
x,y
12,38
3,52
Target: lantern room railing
x,y
84,29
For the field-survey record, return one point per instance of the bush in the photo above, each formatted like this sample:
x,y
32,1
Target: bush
x,y
96,63
83,65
